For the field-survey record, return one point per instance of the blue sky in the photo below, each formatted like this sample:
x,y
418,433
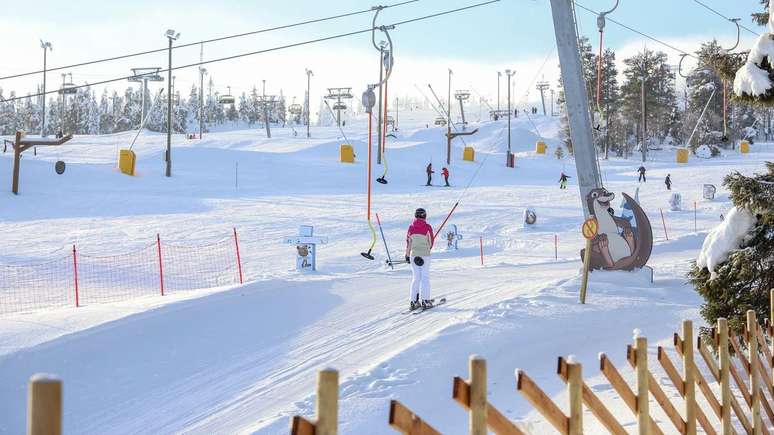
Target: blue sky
x,y
475,43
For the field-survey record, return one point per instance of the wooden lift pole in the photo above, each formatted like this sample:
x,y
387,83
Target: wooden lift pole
x,y
449,137
20,145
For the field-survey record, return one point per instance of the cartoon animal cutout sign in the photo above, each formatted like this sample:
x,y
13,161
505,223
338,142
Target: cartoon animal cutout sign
x,y
618,245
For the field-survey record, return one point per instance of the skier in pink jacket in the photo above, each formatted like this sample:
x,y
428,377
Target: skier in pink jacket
x,y
419,243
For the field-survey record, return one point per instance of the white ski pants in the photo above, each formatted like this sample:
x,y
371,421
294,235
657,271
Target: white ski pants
x,y
421,279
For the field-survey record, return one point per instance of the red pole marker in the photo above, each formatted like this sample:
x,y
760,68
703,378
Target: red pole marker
x,y
75,270
238,257
663,222
161,265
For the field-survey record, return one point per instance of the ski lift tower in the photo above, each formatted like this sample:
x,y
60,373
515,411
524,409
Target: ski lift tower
x,y
145,75
339,94
462,95
542,86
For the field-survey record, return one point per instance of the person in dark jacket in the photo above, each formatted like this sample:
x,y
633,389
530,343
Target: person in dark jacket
x,y
430,173
642,178
668,181
563,180
445,173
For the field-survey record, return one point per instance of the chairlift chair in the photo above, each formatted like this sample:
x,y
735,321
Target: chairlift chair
x,y
68,89
339,106
295,109
227,98
440,120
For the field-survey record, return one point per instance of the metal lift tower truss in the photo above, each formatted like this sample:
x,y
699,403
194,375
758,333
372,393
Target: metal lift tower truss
x,y
339,94
145,75
461,96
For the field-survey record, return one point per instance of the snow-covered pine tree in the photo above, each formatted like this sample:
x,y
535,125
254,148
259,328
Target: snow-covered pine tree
x,y
588,61
701,83
753,81
762,17
735,269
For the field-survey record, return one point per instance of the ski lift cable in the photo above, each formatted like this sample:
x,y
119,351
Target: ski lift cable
x,y
272,49
714,11
207,41
643,34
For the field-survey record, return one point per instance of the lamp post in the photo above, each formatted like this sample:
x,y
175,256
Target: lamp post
x,y
509,73
46,46
202,72
309,75
171,36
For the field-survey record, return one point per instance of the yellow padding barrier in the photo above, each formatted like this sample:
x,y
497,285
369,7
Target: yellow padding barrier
x,y
682,155
469,154
540,147
744,147
126,160
347,154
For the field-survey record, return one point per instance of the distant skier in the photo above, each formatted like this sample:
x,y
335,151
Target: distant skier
x,y
430,173
668,181
642,178
419,242
445,173
563,180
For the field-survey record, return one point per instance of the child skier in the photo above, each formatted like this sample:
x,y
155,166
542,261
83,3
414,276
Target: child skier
x,y
563,180
419,242
668,181
430,173
445,173
642,178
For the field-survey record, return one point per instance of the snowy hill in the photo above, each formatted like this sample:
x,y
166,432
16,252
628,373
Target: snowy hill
x,y
243,358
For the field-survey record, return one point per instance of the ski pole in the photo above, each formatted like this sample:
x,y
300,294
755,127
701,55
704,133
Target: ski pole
x,y
386,249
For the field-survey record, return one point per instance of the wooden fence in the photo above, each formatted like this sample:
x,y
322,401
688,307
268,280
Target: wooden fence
x,y
723,384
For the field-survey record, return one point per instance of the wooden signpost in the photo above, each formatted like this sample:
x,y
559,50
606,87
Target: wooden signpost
x,y
589,229
20,145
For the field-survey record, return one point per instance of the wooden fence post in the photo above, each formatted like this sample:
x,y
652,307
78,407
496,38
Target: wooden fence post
x,y
327,402
575,390
478,401
44,405
752,347
689,378
643,395
725,384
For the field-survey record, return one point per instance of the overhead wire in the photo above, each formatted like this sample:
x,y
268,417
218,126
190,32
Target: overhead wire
x,y
267,50
643,34
725,17
207,41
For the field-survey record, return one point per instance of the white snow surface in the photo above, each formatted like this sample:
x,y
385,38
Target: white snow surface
x,y
752,80
243,359
724,238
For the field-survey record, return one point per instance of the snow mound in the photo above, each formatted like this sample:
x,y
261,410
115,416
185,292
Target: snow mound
x,y
704,151
724,238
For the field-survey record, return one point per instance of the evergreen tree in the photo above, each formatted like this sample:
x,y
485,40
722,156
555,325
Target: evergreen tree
x,y
762,17
701,84
660,97
744,280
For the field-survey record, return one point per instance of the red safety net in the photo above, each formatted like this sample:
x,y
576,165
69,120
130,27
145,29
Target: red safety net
x,y
81,279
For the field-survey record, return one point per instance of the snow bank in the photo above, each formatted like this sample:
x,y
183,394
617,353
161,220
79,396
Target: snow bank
x,y
724,238
751,80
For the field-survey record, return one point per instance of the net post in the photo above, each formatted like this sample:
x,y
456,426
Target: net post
x,y
238,257
161,264
75,275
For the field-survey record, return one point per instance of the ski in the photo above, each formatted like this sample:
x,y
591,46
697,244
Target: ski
x,y
420,309
435,304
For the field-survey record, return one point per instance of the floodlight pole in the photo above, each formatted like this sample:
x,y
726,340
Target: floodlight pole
x,y
576,105
170,37
449,121
45,46
308,100
202,71
509,73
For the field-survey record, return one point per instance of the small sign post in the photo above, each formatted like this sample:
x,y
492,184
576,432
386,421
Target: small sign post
x,y
589,229
306,248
